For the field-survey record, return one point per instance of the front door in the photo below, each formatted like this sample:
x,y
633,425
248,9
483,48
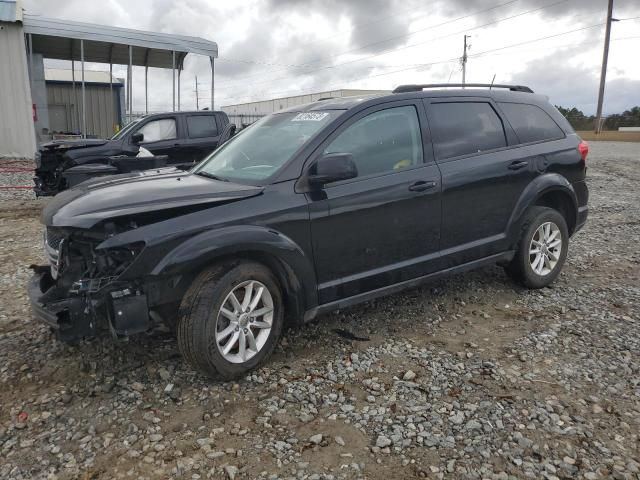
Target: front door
x,y
161,137
382,227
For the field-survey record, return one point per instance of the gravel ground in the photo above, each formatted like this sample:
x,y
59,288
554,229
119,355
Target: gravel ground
x,y
12,174
469,377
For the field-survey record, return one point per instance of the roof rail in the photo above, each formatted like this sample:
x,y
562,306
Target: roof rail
x,y
419,88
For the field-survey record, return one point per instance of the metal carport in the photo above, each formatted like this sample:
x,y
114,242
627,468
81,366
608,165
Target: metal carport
x,y
87,42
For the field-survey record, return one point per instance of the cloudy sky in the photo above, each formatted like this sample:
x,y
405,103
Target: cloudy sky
x,y
276,48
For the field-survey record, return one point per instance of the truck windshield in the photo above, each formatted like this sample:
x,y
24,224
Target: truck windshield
x,y
126,129
261,149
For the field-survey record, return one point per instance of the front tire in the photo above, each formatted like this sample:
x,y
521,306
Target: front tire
x,y
542,249
230,319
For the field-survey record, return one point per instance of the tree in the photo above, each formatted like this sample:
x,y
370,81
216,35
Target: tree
x,y
577,119
580,121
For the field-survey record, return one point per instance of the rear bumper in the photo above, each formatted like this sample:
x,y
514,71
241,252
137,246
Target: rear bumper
x,y
583,213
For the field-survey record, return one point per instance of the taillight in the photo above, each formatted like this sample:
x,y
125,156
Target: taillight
x,y
583,148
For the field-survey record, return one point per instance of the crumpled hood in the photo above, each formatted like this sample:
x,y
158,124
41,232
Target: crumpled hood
x,y
75,143
121,195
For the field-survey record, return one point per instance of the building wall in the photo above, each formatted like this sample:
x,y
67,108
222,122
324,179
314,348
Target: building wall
x,y
17,138
247,113
66,109
39,95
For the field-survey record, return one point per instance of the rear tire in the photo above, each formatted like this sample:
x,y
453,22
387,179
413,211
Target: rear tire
x,y
542,249
230,319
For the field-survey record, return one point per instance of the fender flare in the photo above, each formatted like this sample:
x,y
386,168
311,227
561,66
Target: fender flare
x,y
293,267
546,183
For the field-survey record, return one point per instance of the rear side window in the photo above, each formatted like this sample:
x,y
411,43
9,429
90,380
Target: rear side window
x,y
531,123
464,128
202,126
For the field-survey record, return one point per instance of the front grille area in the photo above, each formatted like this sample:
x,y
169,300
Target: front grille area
x,y
53,238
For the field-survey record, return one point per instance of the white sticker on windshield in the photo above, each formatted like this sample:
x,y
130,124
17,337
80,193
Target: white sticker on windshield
x,y
309,117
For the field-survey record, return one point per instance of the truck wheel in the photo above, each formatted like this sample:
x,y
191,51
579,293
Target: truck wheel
x,y
542,249
230,319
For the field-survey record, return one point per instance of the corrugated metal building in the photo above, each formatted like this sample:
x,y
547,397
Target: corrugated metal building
x,y
26,41
105,104
246,113
17,139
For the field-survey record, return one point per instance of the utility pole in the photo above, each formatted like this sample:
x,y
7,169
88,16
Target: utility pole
x,y
197,104
603,73
464,60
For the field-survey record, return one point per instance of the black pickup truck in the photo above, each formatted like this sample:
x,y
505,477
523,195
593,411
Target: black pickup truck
x,y
173,139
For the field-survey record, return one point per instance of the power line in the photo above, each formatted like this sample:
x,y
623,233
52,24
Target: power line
x,y
536,40
456,59
383,52
386,40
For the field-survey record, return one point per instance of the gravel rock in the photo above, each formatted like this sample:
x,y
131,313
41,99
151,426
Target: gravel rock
x,y
546,380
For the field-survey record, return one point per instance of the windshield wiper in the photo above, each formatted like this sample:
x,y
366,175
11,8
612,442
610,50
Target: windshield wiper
x,y
211,176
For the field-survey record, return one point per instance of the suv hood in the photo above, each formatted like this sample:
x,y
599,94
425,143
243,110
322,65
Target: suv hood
x,y
123,195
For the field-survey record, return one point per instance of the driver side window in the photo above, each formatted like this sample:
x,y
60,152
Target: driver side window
x,y
384,141
156,130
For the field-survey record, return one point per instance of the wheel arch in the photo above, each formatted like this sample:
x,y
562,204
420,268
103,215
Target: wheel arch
x,y
548,190
290,265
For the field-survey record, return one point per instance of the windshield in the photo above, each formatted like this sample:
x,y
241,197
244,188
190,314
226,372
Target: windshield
x,y
126,129
261,149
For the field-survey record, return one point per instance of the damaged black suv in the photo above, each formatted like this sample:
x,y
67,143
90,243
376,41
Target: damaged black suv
x,y
313,209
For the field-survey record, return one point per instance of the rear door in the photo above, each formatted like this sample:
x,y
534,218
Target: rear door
x,y
484,172
382,227
203,133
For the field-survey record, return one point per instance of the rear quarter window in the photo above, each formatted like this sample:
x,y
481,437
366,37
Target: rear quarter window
x,y
463,128
531,123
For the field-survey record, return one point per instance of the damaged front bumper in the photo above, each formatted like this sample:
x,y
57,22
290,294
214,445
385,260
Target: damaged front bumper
x,y
88,308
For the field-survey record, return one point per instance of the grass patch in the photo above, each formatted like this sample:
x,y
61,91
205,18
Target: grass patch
x,y
613,136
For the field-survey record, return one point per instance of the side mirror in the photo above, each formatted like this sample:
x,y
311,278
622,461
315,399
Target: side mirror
x,y
332,167
137,138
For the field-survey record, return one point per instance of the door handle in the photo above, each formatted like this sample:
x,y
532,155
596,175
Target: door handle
x,y
421,186
517,165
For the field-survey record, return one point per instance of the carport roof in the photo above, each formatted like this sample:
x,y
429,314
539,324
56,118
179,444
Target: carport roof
x,y
60,39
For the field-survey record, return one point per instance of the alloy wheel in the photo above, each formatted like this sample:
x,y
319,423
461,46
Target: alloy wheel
x,y
545,248
244,321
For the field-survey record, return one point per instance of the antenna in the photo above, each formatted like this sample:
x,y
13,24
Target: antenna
x,y
492,80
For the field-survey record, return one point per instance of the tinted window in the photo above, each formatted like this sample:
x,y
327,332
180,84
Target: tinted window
x,y
464,128
202,126
531,123
155,130
383,141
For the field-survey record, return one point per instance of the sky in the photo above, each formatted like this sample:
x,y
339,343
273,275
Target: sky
x,y
276,48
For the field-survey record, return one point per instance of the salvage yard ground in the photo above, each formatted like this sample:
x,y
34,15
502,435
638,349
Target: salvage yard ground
x,y
468,377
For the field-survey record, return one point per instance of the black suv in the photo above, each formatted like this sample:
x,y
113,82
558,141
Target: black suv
x,y
176,138
313,209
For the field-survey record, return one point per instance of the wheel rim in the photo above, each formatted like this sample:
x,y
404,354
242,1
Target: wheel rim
x,y
244,321
545,248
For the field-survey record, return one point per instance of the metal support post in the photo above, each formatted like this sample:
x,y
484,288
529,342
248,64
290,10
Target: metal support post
x,y
173,77
84,106
213,74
